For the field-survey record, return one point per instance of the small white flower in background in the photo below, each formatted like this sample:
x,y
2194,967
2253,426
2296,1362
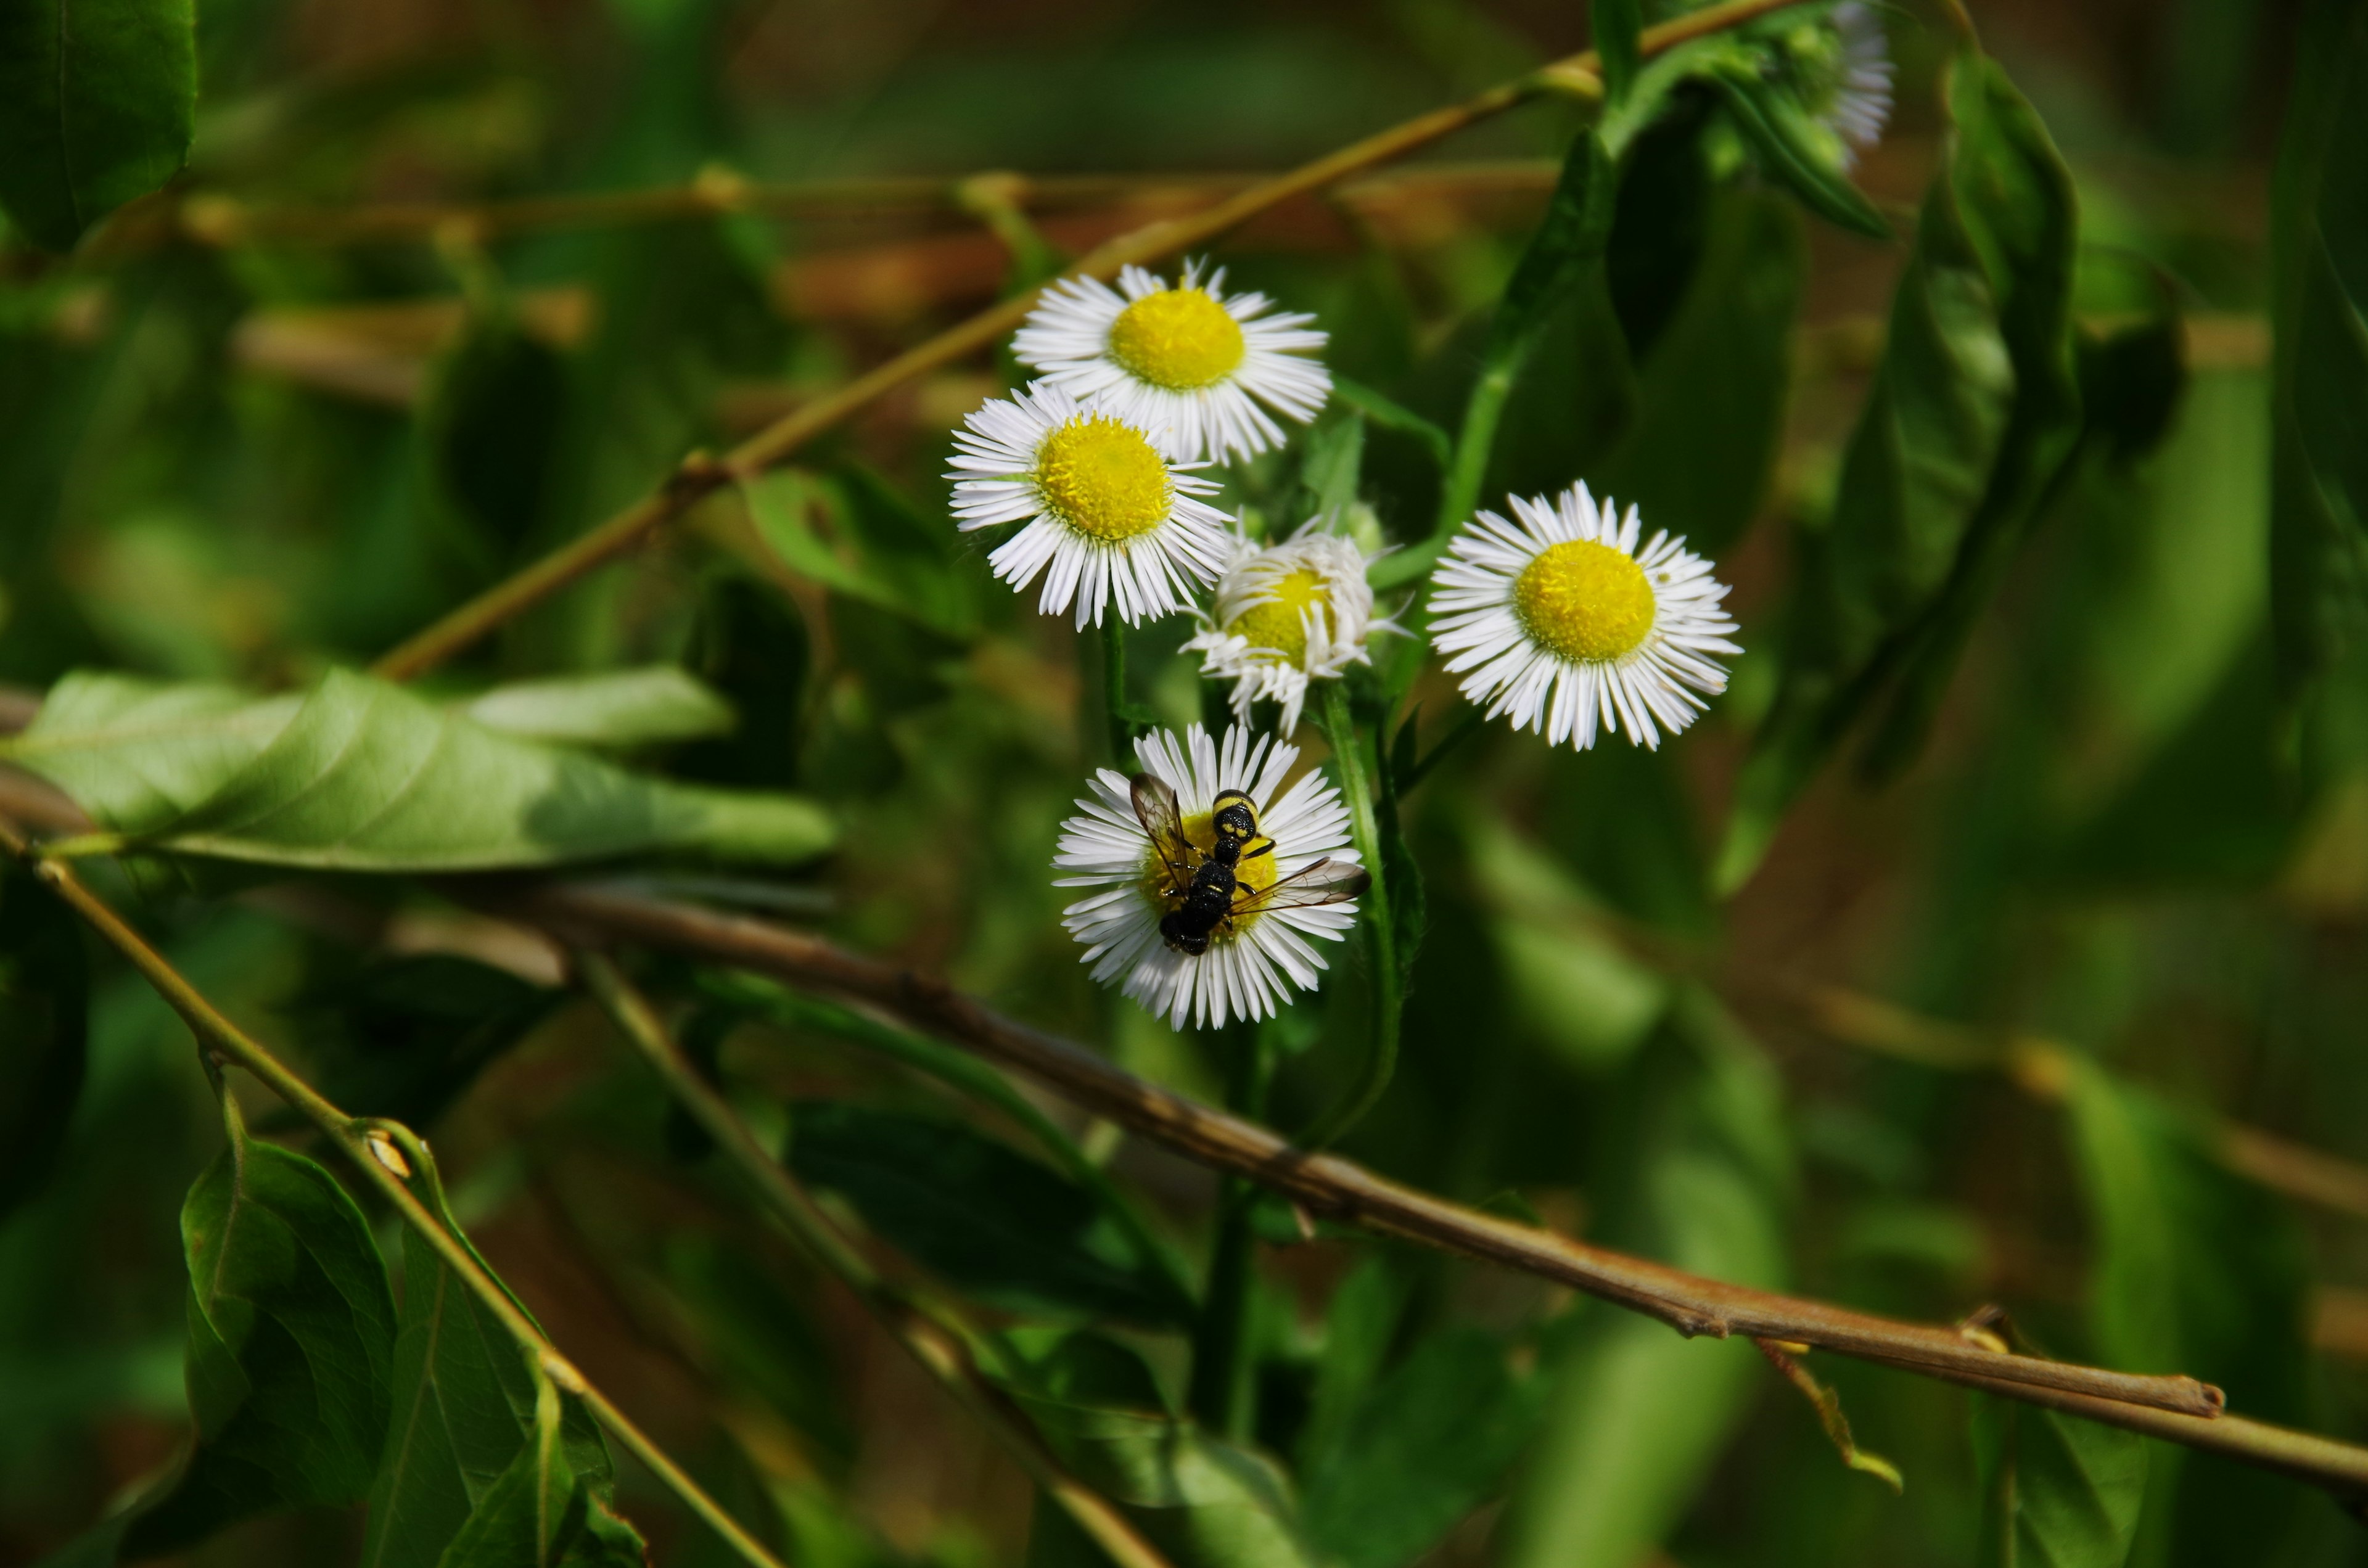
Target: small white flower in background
x,y
1565,624
1190,360
1856,103
1253,962
1288,615
1110,521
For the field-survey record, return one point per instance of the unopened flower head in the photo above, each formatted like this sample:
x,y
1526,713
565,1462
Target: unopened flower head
x,y
1110,521
1567,625
1252,964
1188,358
1287,615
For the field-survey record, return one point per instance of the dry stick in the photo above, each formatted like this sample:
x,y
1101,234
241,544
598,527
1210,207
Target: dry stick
x,y
2177,1409
352,1135
700,475
941,1347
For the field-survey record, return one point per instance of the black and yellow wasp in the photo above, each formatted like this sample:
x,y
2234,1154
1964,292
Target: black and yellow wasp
x,y
1203,887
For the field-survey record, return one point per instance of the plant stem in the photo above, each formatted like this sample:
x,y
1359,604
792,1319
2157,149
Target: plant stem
x,y
935,1336
1381,935
694,479
1114,704
352,1136
1222,1396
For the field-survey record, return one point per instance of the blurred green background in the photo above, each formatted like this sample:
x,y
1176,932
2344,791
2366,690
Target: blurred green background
x,y
1976,1034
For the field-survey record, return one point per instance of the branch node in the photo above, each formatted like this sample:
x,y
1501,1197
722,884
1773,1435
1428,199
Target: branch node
x,y
387,1152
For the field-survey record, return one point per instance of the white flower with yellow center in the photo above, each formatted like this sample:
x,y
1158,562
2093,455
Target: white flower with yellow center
x,y
1565,624
1286,616
1110,521
1252,964
1190,360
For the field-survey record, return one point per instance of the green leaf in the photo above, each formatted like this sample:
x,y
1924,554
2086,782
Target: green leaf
x,y
490,424
364,776
2319,299
1427,1444
1331,464
1617,26
855,536
1973,412
2058,1492
991,1222
750,645
1695,1171
1203,1503
44,1031
403,1036
96,98
290,1343
615,709
1797,148
485,1465
1390,415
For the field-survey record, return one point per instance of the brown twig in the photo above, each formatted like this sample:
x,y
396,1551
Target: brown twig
x,y
942,1347
700,475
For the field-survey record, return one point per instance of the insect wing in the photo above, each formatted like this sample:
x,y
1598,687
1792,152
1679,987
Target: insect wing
x,y
1326,882
1155,808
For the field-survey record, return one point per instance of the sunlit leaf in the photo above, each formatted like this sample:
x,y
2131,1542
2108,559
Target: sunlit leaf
x,y
96,99
615,709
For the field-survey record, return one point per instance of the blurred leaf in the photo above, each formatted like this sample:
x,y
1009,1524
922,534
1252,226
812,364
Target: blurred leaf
x,y
365,776
877,550
2197,1270
476,1472
2058,1492
1564,980
1797,148
1331,464
2131,384
1427,1444
761,1339
96,98
1617,24
2319,254
1971,413
1660,225
993,1223
1568,247
617,709
44,1031
1360,1325
290,1342
1390,415
1724,364
489,429
750,644
403,1036
1695,1171
1203,1503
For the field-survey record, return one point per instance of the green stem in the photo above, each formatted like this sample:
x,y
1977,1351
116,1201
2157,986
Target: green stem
x,y
1222,1397
1381,935
1122,726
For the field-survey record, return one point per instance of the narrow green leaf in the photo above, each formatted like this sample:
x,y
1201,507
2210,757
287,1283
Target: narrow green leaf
x,y
1798,150
615,709
2058,1492
1618,25
44,1031
1392,415
1973,412
1203,1503
1428,1443
290,1343
364,776
96,99
2319,252
993,1223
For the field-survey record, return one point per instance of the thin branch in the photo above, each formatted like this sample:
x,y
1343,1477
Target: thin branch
x,y
938,1340
700,475
2177,1409
364,1143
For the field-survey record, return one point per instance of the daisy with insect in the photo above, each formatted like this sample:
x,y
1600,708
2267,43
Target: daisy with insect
x,y
1567,626
1187,360
1288,615
1112,523
1210,877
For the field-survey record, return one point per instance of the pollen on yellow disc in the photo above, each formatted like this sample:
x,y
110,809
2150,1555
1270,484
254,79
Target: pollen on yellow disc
x,y
1276,622
1177,338
1586,601
1103,479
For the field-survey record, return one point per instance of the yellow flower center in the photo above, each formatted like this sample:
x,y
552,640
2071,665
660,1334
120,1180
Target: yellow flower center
x,y
1586,601
1275,622
1250,876
1177,338
1103,479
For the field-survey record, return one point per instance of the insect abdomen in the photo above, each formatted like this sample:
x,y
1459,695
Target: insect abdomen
x,y
1186,927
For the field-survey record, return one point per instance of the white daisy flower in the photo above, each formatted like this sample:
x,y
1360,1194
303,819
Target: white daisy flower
x,y
1253,962
1109,520
1286,616
1570,624
1856,98
1190,361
